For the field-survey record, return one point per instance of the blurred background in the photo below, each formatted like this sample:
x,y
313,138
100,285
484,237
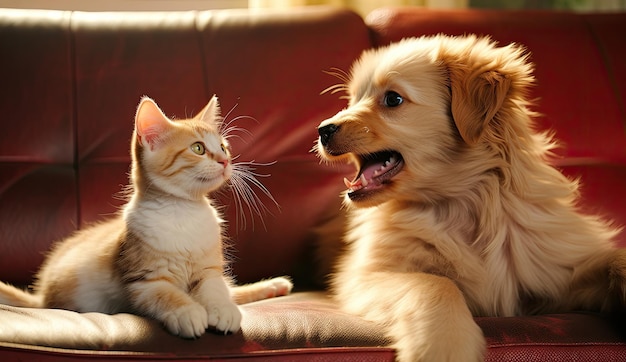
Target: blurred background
x,y
363,7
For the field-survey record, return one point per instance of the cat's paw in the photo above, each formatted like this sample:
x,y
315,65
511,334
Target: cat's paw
x,y
277,287
189,321
225,316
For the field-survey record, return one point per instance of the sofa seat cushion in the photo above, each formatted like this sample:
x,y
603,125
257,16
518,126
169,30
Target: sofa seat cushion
x,y
301,320
581,336
306,324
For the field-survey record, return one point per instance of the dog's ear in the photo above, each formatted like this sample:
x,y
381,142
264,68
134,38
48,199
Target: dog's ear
x,y
476,97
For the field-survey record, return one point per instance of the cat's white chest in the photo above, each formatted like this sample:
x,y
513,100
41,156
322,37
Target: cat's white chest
x,y
181,226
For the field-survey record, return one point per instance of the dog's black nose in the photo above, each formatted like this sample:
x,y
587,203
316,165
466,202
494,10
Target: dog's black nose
x,y
327,132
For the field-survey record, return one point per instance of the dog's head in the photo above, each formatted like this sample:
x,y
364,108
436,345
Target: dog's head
x,y
415,107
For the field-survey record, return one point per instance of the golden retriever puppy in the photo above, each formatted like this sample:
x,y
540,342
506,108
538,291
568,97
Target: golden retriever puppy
x,y
455,210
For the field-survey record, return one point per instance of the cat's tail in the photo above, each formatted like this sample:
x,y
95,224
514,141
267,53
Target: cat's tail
x,y
16,297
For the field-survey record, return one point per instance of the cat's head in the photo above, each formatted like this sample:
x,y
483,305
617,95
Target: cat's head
x,y
187,158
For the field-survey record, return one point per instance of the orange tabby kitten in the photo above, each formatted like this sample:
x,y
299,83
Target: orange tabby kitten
x,y
162,257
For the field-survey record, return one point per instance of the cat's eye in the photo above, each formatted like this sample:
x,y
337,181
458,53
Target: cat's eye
x,y
198,148
223,148
392,99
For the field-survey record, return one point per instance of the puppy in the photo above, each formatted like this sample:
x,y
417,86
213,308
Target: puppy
x,y
455,210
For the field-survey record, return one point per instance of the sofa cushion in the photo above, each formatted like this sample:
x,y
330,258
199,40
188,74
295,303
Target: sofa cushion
x,y
305,326
274,327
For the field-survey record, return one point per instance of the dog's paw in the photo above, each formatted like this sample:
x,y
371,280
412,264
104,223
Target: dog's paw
x,y
225,316
454,347
458,339
189,321
425,316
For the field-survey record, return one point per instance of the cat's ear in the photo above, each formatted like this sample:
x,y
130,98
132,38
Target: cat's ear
x,y
211,112
150,123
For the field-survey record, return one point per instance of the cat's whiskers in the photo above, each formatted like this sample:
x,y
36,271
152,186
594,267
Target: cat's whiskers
x,y
243,178
228,130
232,131
228,114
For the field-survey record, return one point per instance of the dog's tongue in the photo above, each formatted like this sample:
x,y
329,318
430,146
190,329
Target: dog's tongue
x,y
368,177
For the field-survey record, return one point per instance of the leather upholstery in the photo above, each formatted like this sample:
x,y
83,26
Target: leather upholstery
x,y
70,85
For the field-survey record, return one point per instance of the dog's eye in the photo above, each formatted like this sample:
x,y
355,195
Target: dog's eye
x,y
392,99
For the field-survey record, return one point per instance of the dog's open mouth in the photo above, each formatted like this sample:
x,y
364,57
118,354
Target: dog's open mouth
x,y
375,172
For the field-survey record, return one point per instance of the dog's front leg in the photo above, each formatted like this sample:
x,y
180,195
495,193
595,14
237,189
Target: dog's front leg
x,y
425,315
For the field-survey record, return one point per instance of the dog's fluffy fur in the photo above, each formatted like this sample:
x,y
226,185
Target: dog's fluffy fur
x,y
467,217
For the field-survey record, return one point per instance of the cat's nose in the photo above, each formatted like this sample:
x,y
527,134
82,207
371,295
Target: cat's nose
x,y
326,133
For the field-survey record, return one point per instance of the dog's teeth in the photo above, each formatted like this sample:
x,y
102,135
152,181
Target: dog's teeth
x,y
363,180
380,171
355,185
347,183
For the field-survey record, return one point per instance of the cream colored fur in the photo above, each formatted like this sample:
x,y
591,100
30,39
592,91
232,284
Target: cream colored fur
x,y
477,222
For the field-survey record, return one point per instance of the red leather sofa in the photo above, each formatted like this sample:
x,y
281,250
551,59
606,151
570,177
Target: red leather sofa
x,y
69,85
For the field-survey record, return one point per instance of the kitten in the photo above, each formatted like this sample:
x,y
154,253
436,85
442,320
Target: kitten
x,y
162,256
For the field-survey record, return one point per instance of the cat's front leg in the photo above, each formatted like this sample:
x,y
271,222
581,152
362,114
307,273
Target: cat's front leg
x,y
188,321
214,294
160,299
